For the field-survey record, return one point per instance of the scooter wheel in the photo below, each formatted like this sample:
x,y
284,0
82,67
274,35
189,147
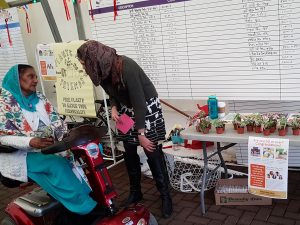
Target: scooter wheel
x,y
152,220
8,221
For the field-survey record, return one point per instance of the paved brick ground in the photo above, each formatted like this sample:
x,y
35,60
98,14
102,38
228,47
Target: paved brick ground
x,y
186,206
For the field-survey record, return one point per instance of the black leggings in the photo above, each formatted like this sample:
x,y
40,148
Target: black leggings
x,y
131,150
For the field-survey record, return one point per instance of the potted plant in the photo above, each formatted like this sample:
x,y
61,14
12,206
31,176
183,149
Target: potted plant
x,y
219,125
194,120
267,124
236,120
281,124
295,124
258,120
204,125
249,121
274,117
241,127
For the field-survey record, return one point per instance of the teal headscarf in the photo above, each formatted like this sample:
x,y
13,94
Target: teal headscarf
x,y
11,82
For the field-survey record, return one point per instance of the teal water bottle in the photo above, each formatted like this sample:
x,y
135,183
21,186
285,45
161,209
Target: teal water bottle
x,y
212,103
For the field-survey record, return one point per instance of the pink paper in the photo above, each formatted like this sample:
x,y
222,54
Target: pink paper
x,y
124,124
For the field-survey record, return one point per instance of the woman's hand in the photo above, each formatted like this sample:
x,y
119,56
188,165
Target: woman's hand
x,y
115,114
40,142
146,143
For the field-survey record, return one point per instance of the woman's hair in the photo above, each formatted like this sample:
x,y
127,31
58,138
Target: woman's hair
x,y
23,67
101,62
79,54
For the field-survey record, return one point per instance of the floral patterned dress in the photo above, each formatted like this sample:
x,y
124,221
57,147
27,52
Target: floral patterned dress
x,y
13,122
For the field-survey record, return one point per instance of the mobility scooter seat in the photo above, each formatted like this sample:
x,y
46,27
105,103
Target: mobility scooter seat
x,y
7,149
37,203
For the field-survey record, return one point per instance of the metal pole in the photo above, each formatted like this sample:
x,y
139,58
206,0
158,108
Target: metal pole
x,y
204,178
79,21
109,128
51,20
39,68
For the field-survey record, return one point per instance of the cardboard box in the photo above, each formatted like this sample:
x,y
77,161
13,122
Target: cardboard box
x,y
238,198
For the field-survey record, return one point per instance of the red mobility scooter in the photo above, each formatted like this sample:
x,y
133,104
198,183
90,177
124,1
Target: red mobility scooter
x,y
38,208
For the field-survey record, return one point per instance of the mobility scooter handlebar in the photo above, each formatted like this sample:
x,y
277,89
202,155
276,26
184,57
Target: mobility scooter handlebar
x,y
75,137
7,149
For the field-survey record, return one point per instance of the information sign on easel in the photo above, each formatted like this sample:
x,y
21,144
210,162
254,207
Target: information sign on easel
x,y
268,167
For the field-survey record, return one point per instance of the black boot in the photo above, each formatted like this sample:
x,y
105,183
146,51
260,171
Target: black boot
x,y
132,162
98,213
157,166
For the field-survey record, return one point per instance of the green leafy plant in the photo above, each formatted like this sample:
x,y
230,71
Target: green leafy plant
x,y
204,123
195,119
294,123
282,122
238,121
237,118
258,119
267,122
217,123
249,120
242,123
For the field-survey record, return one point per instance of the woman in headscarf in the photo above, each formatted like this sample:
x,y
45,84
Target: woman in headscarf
x,y
28,122
131,92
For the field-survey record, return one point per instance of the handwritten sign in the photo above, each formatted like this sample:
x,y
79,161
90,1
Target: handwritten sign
x,y
75,94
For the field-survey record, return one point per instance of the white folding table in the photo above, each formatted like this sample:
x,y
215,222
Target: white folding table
x,y
231,137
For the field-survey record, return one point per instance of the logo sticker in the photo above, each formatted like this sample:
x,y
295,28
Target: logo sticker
x,y
126,220
93,150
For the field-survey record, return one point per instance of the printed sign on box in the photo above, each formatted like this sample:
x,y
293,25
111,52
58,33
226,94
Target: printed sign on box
x,y
234,198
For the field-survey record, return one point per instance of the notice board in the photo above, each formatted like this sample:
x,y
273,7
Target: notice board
x,y
235,49
12,50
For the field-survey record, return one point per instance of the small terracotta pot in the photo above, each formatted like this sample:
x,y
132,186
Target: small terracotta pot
x,y
281,132
241,130
272,129
266,132
296,131
206,131
198,129
220,130
249,128
257,129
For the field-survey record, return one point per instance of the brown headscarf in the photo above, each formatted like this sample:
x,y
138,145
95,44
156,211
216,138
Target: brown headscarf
x,y
101,62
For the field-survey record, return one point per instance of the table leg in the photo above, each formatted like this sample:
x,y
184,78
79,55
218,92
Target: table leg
x,y
219,149
202,194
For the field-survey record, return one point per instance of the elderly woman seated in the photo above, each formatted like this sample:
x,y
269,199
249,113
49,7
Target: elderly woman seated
x,y
26,117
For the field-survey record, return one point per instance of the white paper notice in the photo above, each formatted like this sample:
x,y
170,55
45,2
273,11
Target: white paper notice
x,y
46,61
268,166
